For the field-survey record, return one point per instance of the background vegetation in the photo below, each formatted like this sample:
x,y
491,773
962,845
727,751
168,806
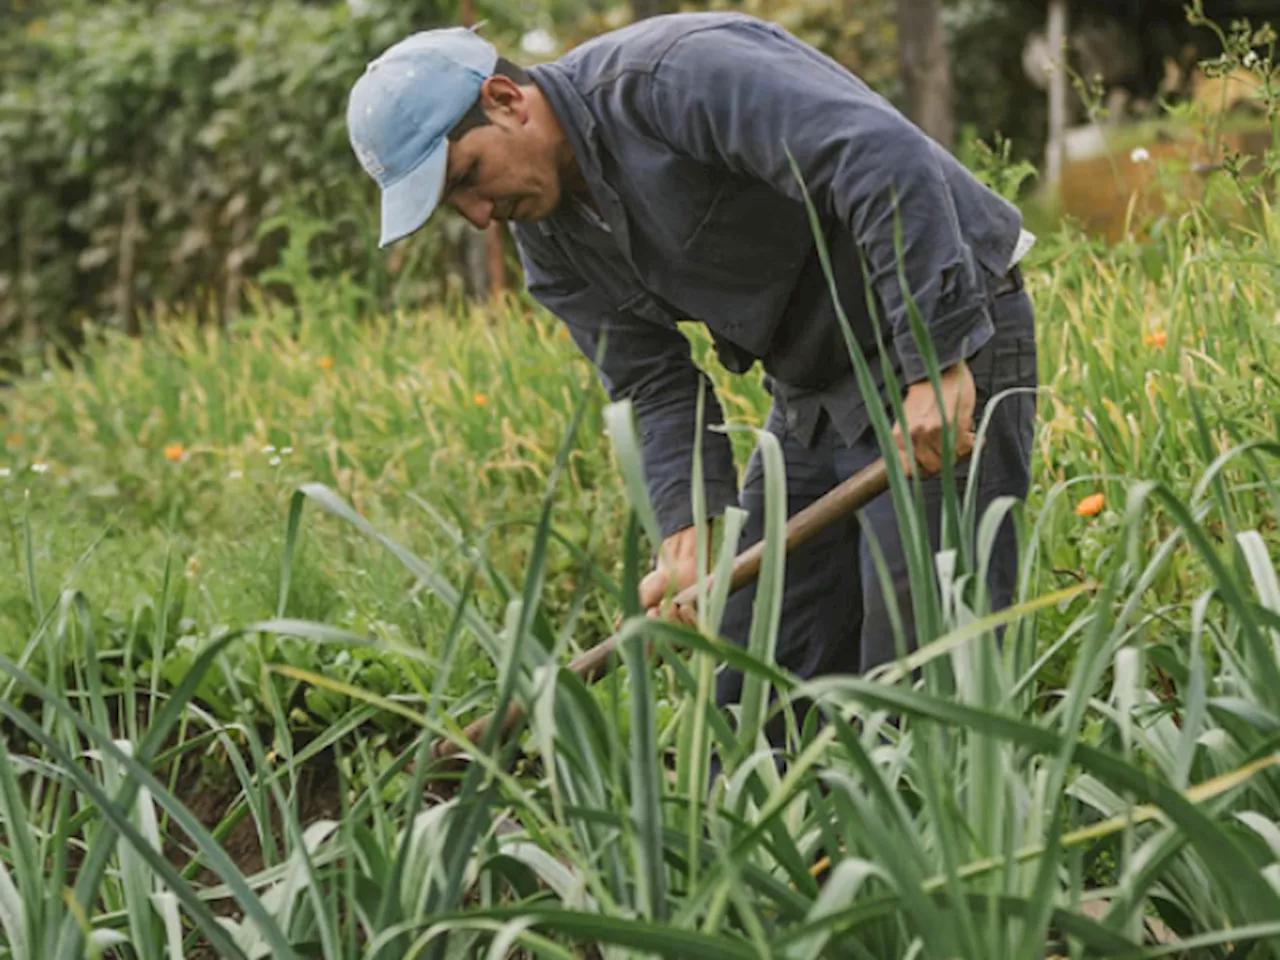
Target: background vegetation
x,y
296,513
157,155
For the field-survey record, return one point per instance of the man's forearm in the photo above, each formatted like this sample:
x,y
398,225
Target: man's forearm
x,y
667,433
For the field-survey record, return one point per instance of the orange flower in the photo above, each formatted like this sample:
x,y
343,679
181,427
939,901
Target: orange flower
x,y
563,333
1157,339
173,452
480,399
1091,506
326,363
13,441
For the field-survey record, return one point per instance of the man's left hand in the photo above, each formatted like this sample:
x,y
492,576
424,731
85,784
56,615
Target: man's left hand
x,y
925,419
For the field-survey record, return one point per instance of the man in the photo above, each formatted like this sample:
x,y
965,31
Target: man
x,y
647,179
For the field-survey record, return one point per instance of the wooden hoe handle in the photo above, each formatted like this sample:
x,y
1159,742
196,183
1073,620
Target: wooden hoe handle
x,y
853,494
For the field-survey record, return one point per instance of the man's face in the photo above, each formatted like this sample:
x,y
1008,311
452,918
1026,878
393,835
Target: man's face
x,y
505,169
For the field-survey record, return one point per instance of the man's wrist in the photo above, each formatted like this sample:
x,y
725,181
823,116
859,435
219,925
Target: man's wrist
x,y
711,526
925,383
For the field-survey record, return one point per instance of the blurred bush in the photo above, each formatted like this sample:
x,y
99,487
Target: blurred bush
x,y
157,153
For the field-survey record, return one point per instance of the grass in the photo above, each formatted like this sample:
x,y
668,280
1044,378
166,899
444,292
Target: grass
x,y
184,448
184,608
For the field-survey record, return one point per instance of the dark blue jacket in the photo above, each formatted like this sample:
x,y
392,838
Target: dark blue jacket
x,y
681,125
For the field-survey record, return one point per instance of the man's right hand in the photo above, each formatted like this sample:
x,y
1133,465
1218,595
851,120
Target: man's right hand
x,y
678,560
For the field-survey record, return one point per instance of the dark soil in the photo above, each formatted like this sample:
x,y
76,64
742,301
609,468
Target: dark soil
x,y
210,790
207,786
210,793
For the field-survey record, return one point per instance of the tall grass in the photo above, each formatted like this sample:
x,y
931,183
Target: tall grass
x,y
1101,784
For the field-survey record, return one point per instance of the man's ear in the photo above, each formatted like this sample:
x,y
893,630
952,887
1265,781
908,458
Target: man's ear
x,y
502,96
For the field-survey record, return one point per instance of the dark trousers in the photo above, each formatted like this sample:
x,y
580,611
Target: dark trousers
x,y
835,618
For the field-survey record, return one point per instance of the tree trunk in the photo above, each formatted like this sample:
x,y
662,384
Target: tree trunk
x,y
26,283
1057,92
642,9
486,274
495,261
924,69
127,276
235,272
23,278
475,254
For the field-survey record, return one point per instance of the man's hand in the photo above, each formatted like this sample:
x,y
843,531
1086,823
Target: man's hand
x,y
678,559
925,419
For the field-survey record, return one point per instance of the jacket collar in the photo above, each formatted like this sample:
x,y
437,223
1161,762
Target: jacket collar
x,y
582,131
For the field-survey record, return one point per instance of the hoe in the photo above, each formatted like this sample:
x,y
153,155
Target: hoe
x,y
853,494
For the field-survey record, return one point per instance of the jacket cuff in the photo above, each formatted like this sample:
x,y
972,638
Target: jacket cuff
x,y
674,506
955,336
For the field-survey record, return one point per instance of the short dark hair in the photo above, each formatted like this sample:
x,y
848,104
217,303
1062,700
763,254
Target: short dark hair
x,y
476,117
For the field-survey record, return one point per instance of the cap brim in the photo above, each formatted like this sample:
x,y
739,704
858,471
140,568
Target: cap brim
x,y
409,202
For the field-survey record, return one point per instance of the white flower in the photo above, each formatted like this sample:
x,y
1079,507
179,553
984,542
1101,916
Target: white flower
x,y
538,43
268,449
39,467
274,461
4,472
1251,58
236,475
1139,155
286,450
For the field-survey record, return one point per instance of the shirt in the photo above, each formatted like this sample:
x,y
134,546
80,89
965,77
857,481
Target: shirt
x,y
686,128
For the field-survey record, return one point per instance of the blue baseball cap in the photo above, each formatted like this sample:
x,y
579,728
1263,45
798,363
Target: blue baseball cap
x,y
399,115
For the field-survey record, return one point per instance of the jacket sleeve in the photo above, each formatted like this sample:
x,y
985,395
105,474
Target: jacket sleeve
x,y
651,365
741,96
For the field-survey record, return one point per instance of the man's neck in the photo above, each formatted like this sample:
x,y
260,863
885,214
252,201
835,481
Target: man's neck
x,y
572,182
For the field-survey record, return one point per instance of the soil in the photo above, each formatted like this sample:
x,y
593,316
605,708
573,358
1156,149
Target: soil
x,y
208,788
210,795
209,792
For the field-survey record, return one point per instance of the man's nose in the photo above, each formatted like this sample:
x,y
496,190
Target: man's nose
x,y
476,211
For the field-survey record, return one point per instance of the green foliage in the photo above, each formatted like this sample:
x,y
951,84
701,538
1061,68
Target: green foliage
x,y
1106,776
144,145
990,91
250,575
861,36
994,165
198,437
